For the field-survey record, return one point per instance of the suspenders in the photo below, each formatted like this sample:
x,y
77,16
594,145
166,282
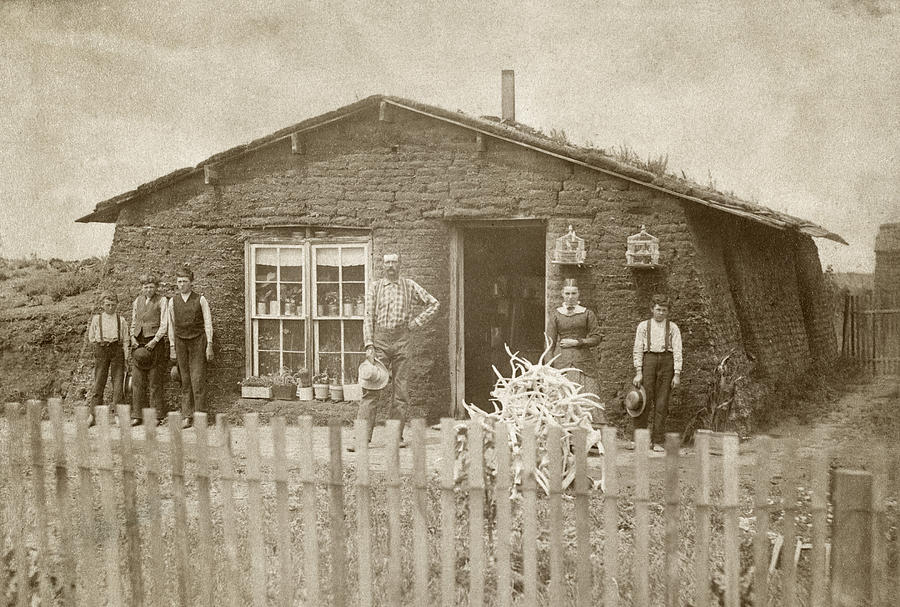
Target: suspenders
x,y
118,327
668,338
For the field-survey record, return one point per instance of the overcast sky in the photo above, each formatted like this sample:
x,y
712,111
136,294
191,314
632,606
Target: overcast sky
x,y
795,105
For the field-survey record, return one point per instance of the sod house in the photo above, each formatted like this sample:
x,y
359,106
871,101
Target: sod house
x,y
475,207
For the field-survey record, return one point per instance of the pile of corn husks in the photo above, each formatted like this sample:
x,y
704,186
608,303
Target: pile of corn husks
x,y
536,394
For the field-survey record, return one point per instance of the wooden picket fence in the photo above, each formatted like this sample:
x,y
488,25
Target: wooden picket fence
x,y
119,557
871,332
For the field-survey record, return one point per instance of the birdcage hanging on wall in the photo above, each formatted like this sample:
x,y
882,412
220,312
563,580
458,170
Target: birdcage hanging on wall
x,y
642,250
569,249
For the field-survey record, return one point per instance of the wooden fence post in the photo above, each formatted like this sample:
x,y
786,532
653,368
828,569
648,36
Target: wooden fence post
x,y
394,569
790,472
229,520
182,547
529,514
761,512
502,487
476,513
641,518
879,531
673,502
16,513
583,581
110,516
819,508
554,482
282,514
129,494
363,513
204,511
338,526
420,513
255,511
610,519
63,505
310,531
851,543
34,411
89,559
730,506
448,513
701,544
157,547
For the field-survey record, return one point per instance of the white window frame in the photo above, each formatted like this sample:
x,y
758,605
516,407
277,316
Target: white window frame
x,y
309,284
341,318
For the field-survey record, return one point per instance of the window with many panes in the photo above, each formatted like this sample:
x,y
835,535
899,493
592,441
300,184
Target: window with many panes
x,y
306,305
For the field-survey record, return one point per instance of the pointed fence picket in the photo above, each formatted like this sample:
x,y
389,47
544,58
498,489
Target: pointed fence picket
x,y
164,538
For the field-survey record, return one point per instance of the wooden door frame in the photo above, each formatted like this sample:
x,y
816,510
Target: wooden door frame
x,y
456,353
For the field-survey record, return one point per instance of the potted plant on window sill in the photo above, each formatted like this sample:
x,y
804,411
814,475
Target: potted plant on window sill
x,y
304,385
336,389
331,304
320,385
284,386
256,386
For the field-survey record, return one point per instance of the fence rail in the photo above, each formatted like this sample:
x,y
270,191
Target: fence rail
x,y
871,332
211,532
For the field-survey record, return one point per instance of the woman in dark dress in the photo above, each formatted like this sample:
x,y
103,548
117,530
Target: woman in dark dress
x,y
574,333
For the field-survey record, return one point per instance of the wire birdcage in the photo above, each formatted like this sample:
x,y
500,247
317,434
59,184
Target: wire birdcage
x,y
643,249
569,249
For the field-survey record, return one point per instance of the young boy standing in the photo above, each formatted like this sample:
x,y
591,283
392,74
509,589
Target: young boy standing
x,y
108,336
657,365
190,337
149,326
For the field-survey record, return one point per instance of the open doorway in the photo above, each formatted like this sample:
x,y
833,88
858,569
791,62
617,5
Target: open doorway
x,y
503,301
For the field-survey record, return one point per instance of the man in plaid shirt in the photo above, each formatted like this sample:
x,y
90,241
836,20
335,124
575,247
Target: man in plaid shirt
x,y
390,319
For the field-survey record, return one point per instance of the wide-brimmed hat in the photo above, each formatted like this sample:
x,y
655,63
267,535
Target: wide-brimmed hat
x,y
175,374
635,401
373,377
142,357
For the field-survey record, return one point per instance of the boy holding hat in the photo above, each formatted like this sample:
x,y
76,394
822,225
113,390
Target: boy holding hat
x,y
107,334
190,337
390,322
657,364
149,326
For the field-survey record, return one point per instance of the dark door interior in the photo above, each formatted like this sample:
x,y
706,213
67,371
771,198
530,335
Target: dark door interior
x,y
503,286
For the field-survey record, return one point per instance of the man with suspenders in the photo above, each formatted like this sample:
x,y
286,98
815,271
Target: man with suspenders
x,y
657,364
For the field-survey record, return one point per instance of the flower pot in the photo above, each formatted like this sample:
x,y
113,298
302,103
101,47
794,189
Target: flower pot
x,y
273,307
256,392
331,309
288,309
352,392
305,393
360,309
287,392
262,307
321,309
320,391
348,309
336,392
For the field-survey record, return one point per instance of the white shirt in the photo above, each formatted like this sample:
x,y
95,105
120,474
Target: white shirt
x,y
657,342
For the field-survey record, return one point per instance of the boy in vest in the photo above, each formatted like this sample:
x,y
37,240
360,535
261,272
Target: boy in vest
x,y
190,337
657,363
108,336
149,326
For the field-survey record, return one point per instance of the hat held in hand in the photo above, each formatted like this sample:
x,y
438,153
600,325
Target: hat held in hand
x,y
635,401
142,358
373,377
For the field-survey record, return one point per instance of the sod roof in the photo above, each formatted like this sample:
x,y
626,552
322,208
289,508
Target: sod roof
x,y
595,159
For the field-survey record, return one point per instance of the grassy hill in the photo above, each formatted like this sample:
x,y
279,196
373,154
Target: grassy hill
x,y
44,309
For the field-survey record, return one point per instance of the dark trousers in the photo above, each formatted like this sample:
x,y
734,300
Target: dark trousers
x,y
658,369
109,359
191,357
390,349
149,380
